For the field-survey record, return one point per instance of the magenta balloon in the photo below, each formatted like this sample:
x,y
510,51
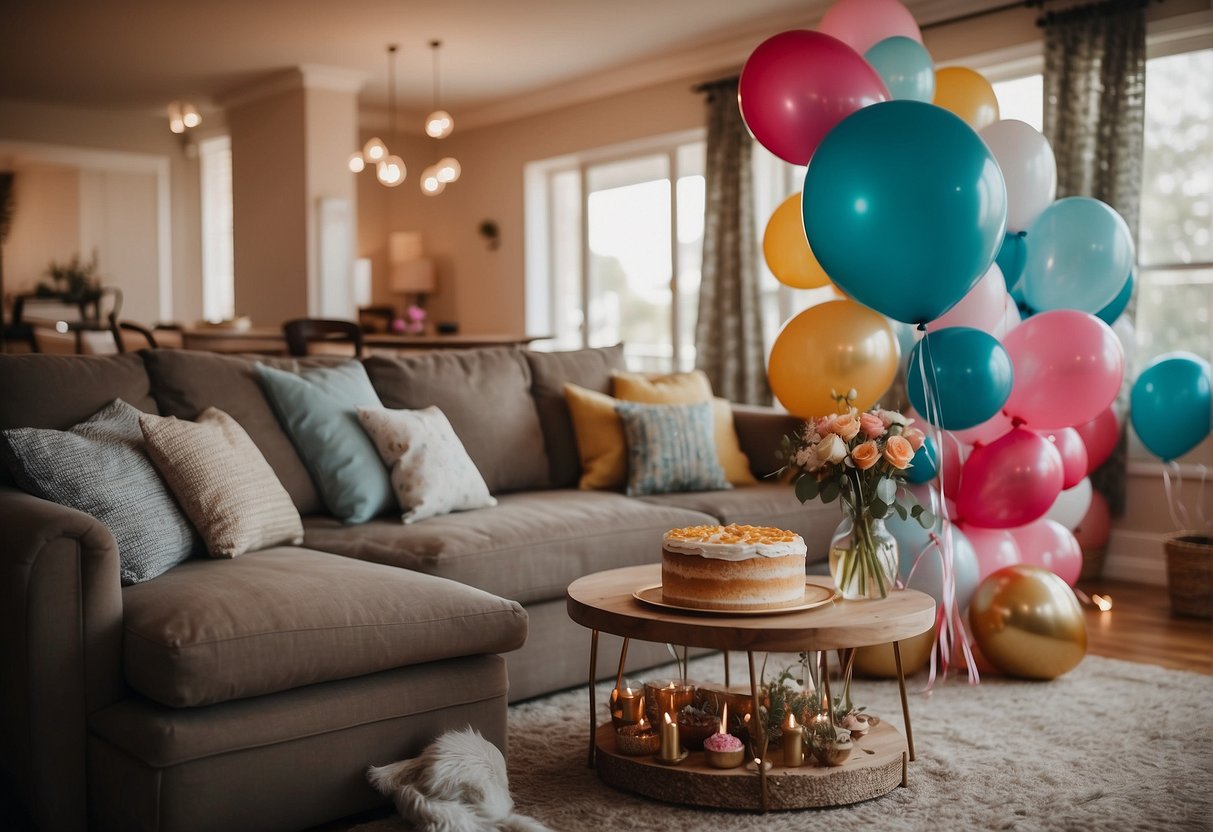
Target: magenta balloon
x,y
1073,455
995,548
954,455
797,85
861,24
1068,368
983,307
1012,481
1100,435
1049,544
986,432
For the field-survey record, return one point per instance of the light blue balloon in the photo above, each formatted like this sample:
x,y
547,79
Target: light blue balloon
x,y
913,540
968,377
905,67
1011,258
905,208
1170,404
1116,308
925,465
1079,256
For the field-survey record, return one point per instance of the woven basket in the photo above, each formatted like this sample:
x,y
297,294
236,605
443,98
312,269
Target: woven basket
x,y
1190,574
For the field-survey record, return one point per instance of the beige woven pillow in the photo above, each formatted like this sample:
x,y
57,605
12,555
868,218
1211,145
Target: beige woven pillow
x,y
223,483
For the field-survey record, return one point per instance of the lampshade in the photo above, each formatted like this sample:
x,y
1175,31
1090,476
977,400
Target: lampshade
x,y
413,277
404,246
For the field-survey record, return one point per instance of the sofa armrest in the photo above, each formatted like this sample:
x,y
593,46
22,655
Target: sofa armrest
x,y
759,432
60,647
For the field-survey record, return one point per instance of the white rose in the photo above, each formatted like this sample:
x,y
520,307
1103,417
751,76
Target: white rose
x,y
831,449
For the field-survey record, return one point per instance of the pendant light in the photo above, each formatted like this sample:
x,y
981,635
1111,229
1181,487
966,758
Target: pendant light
x,y
438,125
389,168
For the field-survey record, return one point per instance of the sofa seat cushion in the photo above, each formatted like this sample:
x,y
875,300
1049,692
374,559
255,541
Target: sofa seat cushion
x,y
529,547
216,630
765,504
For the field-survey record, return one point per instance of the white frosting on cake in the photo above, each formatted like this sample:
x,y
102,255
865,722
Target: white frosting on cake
x,y
733,542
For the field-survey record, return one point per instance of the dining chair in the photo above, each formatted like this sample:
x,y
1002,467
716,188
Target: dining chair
x,y
303,332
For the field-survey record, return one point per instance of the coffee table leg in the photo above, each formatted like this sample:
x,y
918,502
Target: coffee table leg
x,y
905,706
759,731
593,702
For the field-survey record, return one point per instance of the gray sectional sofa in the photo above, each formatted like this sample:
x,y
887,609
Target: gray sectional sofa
x,y
252,693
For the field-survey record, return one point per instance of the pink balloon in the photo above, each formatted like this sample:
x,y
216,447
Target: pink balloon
x,y
797,85
1049,544
1100,436
985,433
1010,482
983,307
1068,369
1095,528
954,455
995,549
1073,454
861,24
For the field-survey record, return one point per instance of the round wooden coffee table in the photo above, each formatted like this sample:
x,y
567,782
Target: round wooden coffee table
x,y
604,602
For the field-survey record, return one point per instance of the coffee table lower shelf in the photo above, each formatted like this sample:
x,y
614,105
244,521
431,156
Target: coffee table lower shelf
x,y
693,782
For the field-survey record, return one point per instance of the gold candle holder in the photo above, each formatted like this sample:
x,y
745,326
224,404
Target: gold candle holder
x,y
667,696
637,740
671,749
627,706
793,743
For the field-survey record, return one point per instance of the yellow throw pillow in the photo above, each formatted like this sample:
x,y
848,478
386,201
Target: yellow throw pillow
x,y
601,444
690,388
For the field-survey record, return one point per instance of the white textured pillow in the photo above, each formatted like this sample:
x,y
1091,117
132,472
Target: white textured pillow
x,y
223,483
431,471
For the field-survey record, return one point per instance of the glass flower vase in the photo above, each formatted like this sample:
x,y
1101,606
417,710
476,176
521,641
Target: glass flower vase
x,y
863,557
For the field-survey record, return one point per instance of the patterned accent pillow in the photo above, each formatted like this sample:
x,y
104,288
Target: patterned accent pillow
x,y
100,467
223,482
671,447
431,471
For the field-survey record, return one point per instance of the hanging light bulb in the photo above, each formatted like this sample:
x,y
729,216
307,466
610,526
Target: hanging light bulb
x,y
439,123
190,116
375,150
431,185
448,169
390,171
175,122
357,163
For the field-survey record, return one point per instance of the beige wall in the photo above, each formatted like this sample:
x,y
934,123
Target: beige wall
x,y
46,225
331,130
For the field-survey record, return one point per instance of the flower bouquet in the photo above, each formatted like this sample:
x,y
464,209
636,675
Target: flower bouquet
x,y
862,459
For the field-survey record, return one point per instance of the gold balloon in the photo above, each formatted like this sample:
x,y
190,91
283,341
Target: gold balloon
x,y
1028,623
836,345
787,251
967,94
879,662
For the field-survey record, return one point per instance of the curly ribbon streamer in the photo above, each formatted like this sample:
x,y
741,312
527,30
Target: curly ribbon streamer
x,y
1179,512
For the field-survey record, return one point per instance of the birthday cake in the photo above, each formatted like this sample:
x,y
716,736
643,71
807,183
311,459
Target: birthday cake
x,y
732,567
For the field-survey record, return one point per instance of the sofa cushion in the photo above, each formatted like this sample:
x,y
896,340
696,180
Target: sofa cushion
x,y
486,395
223,482
215,630
529,547
765,504
101,467
317,408
36,389
590,369
186,382
670,448
602,447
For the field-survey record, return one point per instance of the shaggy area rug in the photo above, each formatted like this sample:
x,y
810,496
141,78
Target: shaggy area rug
x,y
1110,745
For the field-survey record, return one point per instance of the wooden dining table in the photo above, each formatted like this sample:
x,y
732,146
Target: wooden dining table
x,y
271,341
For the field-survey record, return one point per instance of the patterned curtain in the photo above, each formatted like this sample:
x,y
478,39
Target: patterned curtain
x,y
1094,92
728,332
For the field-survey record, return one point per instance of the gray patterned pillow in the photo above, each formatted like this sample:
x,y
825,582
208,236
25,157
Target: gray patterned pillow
x,y
223,482
431,471
671,447
101,467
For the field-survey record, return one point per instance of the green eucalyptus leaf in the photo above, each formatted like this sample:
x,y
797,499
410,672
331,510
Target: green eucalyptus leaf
x,y
886,490
901,510
879,508
806,488
830,491
917,511
926,519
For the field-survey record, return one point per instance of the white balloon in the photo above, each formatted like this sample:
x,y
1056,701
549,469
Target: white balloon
x,y
1010,318
1028,166
982,307
1071,505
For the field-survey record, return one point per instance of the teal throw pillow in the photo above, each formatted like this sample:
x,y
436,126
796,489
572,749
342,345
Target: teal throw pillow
x,y
318,408
101,467
671,447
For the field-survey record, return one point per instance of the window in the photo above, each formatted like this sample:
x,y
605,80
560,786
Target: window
x,y
617,249
218,270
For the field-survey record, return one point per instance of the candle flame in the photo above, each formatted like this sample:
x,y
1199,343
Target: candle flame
x,y
1104,602
790,725
724,720
670,686
667,718
628,691
643,724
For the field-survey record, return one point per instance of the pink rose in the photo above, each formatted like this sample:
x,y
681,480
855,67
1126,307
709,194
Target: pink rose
x,y
915,437
831,449
825,424
871,425
898,453
866,455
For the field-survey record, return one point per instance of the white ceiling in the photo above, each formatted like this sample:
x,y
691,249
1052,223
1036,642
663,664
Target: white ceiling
x,y
140,54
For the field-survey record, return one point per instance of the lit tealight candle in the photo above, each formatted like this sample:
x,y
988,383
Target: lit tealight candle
x,y
671,747
629,705
793,743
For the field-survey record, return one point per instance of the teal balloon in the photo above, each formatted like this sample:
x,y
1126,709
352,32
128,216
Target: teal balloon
x,y
1012,255
904,208
967,379
1170,404
905,67
1080,256
925,465
914,541
1116,308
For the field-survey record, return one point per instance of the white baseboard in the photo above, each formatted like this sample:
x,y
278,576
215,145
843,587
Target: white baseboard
x,y
1136,556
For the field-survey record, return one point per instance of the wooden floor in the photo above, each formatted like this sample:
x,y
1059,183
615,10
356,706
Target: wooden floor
x,y
1140,628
